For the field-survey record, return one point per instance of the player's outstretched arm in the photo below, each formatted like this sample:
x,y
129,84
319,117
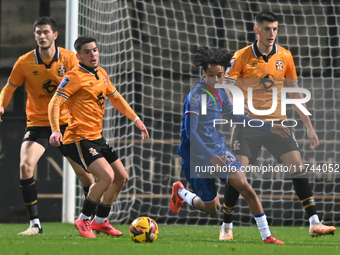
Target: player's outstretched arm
x,y
5,97
140,125
53,116
124,108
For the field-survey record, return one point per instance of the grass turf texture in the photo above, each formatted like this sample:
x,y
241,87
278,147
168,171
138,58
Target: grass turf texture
x,y
64,239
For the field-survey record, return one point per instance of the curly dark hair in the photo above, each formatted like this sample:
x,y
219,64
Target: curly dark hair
x,y
206,56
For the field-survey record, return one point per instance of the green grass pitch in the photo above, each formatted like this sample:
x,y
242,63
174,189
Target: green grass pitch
x,y
59,238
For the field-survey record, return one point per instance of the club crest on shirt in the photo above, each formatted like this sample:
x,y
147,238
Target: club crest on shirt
x,y
64,82
236,145
27,134
279,65
194,101
93,151
62,71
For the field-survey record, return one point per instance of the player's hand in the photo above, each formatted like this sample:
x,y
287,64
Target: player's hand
x,y
313,137
280,130
141,126
220,161
56,139
2,110
217,160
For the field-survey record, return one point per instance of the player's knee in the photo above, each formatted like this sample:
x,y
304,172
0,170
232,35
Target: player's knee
x,y
126,176
217,208
122,180
248,192
26,170
125,179
212,208
106,179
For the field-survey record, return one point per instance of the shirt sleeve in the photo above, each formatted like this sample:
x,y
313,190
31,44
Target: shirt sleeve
x,y
122,106
17,76
193,104
234,71
69,85
110,88
196,143
291,76
54,111
6,94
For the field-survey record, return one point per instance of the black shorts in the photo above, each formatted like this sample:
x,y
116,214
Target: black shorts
x,y
42,135
85,152
248,142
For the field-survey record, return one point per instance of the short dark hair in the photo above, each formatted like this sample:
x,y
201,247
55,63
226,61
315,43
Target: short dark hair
x,y
46,21
206,56
265,17
83,40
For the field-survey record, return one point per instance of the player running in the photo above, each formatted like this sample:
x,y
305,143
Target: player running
x,y
202,145
85,89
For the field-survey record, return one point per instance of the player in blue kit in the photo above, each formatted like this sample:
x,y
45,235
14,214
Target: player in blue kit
x,y
202,146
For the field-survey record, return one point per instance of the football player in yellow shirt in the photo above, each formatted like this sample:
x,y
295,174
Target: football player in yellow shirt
x,y
85,89
41,70
265,66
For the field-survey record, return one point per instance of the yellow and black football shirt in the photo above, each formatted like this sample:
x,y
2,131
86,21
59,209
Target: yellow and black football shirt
x,y
262,73
41,82
85,91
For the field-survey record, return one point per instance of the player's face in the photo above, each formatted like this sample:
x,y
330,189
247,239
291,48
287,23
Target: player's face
x,y
214,75
266,33
89,55
44,36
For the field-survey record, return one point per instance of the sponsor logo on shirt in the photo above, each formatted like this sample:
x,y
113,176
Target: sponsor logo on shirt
x,y
49,86
267,81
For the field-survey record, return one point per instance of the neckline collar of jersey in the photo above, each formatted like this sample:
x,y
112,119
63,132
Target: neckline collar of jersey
x,y
258,54
87,69
38,59
91,71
